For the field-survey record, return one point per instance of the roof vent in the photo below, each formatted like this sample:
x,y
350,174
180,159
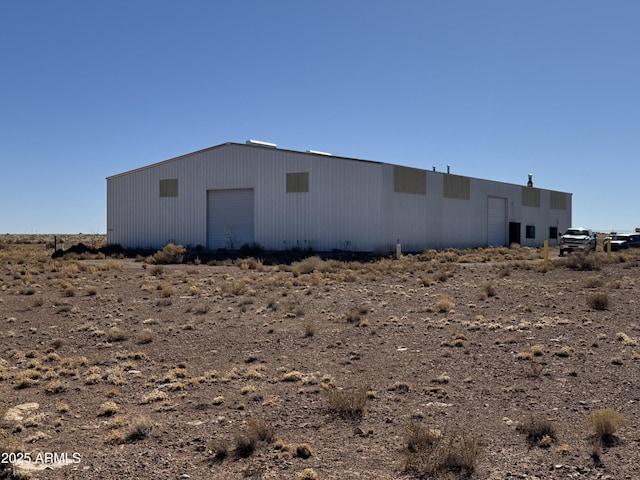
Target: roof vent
x,y
258,143
317,152
530,181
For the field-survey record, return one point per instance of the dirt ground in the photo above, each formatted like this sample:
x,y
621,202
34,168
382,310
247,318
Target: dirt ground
x,y
319,369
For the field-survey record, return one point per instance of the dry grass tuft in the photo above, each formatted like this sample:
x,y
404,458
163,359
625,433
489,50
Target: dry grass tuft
x,y
626,339
444,303
488,289
540,431
108,408
428,453
598,300
117,334
307,474
218,450
399,387
139,429
349,402
309,265
583,261
605,422
145,336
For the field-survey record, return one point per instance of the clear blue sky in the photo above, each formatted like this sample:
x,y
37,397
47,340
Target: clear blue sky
x,y
496,89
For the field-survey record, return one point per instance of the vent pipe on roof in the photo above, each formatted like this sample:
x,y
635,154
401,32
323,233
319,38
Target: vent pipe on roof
x,y
530,181
258,143
434,168
448,168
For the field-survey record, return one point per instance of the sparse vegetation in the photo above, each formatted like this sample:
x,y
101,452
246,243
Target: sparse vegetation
x,y
171,253
540,431
349,402
444,304
430,453
267,341
598,300
605,422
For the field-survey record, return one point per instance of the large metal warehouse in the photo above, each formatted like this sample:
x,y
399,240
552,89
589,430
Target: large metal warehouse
x,y
255,193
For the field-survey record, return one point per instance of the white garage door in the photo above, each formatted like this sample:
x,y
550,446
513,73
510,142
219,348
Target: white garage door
x,y
497,221
229,218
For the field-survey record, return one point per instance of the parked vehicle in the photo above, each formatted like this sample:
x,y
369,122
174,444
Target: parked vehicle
x,y
622,241
577,239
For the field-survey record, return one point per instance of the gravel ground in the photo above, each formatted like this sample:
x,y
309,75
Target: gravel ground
x,y
128,369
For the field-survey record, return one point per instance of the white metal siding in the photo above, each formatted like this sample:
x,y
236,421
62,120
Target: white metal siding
x,y
351,204
229,218
497,221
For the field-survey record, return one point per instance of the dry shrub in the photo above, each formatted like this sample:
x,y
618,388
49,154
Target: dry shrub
x,y
348,402
261,430
605,422
310,265
169,254
598,300
564,352
303,450
219,451
593,282
400,387
489,289
307,474
146,336
309,329
353,315
139,429
583,261
626,339
55,386
293,376
235,287
537,350
167,289
108,408
245,445
539,431
117,334
444,303
428,453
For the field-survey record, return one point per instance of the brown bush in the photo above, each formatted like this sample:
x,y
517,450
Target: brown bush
x,y
349,402
538,429
429,453
169,254
598,300
605,422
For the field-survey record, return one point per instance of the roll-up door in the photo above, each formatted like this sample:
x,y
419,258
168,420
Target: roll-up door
x,y
229,218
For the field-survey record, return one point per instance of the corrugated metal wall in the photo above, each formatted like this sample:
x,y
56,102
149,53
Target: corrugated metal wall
x,y
304,200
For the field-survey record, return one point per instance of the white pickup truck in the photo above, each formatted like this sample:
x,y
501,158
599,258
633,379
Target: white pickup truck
x,y
577,239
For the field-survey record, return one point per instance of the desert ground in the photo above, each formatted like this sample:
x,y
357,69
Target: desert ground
x,y
481,364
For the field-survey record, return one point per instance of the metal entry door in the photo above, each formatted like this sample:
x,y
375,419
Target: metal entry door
x,y
496,221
